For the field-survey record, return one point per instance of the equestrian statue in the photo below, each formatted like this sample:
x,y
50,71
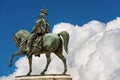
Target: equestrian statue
x,y
41,41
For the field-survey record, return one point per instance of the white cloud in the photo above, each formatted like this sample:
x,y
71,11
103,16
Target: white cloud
x,y
94,53
115,75
115,24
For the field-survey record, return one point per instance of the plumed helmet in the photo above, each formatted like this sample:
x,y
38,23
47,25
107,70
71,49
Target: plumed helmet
x,y
45,11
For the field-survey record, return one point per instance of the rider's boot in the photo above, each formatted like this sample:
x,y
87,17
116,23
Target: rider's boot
x,y
38,43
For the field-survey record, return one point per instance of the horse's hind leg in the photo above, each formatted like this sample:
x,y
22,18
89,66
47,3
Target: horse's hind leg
x,y
48,62
60,55
64,61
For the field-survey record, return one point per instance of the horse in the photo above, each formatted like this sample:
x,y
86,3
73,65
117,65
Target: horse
x,y
52,43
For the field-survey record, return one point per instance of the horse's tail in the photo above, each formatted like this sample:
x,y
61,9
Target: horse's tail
x,y
65,36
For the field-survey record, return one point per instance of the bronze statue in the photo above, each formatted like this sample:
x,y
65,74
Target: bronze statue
x,y
48,43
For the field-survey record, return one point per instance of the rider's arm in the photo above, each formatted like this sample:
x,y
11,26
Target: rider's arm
x,y
47,28
34,29
36,25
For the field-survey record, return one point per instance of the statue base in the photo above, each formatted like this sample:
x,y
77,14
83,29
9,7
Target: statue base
x,y
44,77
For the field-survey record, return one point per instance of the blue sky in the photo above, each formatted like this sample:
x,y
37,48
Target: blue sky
x,y
22,14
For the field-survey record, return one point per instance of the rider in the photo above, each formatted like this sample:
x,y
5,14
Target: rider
x,y
41,27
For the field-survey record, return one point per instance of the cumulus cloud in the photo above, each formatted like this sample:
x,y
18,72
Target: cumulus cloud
x,y
94,53
115,75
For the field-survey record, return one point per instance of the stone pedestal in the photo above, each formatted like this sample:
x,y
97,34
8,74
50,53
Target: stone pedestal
x,y
44,77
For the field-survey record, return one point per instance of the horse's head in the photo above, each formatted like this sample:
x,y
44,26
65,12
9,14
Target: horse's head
x,y
20,36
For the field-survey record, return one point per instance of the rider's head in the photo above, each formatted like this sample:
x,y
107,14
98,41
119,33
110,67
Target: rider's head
x,y
44,12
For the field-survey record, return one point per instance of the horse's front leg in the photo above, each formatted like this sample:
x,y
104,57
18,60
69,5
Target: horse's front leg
x,y
30,65
15,54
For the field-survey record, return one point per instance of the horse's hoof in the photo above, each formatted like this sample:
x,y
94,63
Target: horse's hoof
x,y
64,73
28,74
42,73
